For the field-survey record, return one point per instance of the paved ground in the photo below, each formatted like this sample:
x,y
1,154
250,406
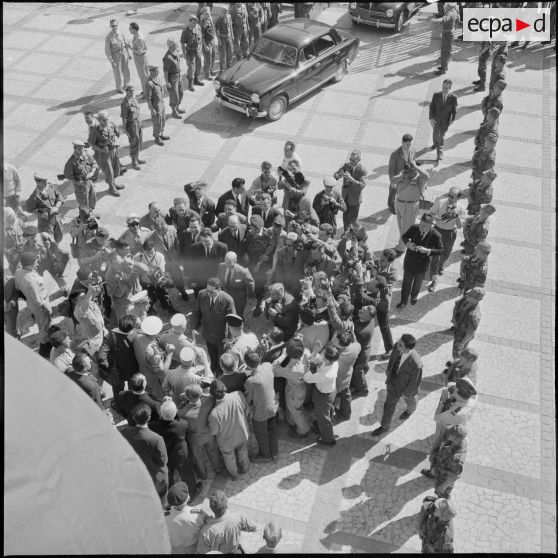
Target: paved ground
x,y
362,495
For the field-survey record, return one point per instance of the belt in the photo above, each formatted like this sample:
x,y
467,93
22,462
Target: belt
x,y
403,201
140,53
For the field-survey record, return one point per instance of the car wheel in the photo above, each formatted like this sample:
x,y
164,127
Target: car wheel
x,y
341,71
400,21
277,108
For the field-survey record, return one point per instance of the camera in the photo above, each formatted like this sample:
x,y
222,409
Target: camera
x,y
92,224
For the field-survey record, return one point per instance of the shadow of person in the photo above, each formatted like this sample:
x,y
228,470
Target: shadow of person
x,y
376,219
82,101
464,111
441,175
455,139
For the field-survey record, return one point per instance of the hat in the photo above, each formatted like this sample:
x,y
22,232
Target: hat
x,y
257,221
140,297
178,320
329,181
501,58
132,217
234,320
193,17
279,220
128,86
152,325
484,247
466,387
187,354
30,230
427,218
292,236
494,111
295,348
501,84
39,176
153,67
78,143
28,258
102,232
177,494
447,511
477,293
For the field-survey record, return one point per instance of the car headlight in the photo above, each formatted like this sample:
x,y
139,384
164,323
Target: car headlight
x,y
255,98
389,13
352,5
216,85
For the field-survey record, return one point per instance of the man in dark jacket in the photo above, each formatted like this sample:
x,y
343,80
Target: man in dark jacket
x,y
206,256
282,309
422,241
135,395
234,236
238,194
442,113
81,365
404,374
435,526
364,331
200,203
150,447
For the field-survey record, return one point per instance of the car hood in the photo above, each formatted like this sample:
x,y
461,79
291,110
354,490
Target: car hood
x,y
255,75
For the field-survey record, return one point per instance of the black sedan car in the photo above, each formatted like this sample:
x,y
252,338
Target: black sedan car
x,y
392,15
288,62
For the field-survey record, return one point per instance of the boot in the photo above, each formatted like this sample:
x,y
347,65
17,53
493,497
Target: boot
x,y
190,85
159,141
180,110
140,161
114,192
175,113
197,81
135,165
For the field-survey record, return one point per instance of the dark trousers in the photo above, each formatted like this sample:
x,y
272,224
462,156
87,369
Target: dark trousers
x,y
279,385
266,436
390,404
438,261
323,409
412,283
447,45
345,399
184,471
360,369
214,352
438,135
483,60
383,321
176,92
391,199
351,215
10,320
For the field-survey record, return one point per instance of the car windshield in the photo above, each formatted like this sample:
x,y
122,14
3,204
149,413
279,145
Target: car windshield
x,y
275,52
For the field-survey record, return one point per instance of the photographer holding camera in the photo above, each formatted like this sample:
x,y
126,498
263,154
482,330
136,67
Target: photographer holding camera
x,y
266,183
354,181
328,203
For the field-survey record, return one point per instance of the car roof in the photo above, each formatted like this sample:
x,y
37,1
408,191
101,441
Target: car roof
x,y
297,32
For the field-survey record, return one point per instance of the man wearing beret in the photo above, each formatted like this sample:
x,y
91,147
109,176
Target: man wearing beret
x,y
488,130
481,191
131,122
173,79
497,72
155,94
476,228
465,365
435,526
422,242
494,99
191,42
46,202
442,113
328,203
466,319
474,268
80,169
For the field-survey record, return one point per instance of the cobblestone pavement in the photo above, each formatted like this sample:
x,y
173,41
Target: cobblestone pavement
x,y
363,495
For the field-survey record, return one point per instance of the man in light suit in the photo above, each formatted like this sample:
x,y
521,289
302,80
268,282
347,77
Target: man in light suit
x,y
200,203
442,113
150,447
237,281
208,316
238,194
404,374
354,181
400,162
234,236
206,256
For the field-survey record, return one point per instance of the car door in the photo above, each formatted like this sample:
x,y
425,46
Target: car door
x,y
327,57
307,76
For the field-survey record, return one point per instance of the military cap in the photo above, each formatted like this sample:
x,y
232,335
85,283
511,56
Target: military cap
x,y
470,353
78,143
178,320
38,176
234,320
102,232
501,84
477,293
307,316
380,281
279,220
193,17
488,207
427,218
329,181
178,494
295,348
152,325
28,258
466,387
140,297
447,511
494,112
257,221
132,217
187,354
30,230
501,58
484,247
151,67
128,86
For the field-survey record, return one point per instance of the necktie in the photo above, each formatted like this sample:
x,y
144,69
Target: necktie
x,y
265,216
396,363
228,277
211,302
206,253
444,98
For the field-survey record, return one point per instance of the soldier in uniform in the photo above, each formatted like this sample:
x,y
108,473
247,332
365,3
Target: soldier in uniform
x,y
239,18
173,79
449,22
484,55
104,141
476,227
46,202
140,306
488,129
155,93
135,236
447,459
33,288
484,158
474,268
435,526
225,37
13,238
209,41
80,169
256,18
131,122
494,99
116,50
497,72
191,41
501,50
237,341
466,318
480,191
465,365
276,8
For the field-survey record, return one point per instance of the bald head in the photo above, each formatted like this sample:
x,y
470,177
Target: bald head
x,y
230,259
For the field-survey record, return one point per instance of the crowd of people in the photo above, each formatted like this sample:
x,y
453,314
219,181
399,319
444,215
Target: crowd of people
x,y
193,389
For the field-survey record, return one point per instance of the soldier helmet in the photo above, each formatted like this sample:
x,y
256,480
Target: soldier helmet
x,y
501,58
488,208
446,510
152,325
465,387
477,293
470,354
178,320
457,430
495,112
501,84
28,258
484,247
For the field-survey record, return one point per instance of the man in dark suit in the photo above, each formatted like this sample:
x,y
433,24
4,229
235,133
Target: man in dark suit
x,y
442,113
179,215
150,447
222,221
234,236
404,374
238,194
282,309
136,394
200,203
81,365
422,242
207,254
237,281
266,211
208,316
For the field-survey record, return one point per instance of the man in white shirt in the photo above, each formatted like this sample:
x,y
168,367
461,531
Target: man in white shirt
x,y
324,376
12,188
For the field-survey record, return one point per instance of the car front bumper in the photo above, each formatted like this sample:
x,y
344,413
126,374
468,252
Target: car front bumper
x,y
250,112
374,22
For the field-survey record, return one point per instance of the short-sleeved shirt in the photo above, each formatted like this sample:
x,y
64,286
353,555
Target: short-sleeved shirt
x,y
325,378
447,215
12,181
184,530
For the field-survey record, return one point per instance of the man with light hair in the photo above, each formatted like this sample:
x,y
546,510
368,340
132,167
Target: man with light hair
x,y
272,535
171,70
177,380
237,281
117,52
